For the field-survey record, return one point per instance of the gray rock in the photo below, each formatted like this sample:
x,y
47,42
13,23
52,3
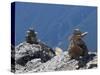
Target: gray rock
x,y
60,63
25,52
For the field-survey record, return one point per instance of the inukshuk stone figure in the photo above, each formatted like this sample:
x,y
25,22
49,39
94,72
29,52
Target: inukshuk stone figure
x,y
31,36
77,46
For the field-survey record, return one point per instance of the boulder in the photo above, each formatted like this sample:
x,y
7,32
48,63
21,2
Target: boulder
x,y
26,52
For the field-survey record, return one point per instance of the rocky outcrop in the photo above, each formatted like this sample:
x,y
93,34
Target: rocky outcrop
x,y
59,63
41,58
25,52
35,56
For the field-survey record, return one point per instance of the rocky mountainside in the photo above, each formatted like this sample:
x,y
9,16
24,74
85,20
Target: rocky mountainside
x,y
41,58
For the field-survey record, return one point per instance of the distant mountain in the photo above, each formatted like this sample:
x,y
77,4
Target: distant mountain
x,y
55,23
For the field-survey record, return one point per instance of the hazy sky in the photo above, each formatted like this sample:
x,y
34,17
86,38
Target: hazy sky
x,y
54,23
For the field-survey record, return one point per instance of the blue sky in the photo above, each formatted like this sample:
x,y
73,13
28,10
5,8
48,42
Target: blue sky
x,y
55,23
